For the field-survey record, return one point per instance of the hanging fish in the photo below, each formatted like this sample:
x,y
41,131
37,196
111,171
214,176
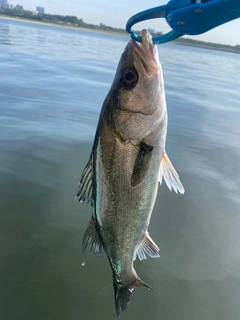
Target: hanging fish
x,y
128,159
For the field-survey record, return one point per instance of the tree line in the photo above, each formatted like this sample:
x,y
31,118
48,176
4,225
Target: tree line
x,y
59,19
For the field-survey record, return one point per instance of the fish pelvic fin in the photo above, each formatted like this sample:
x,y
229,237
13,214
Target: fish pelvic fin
x,y
91,237
170,175
123,293
84,191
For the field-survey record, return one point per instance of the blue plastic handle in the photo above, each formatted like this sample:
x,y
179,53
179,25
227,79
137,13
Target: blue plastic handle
x,y
189,17
204,16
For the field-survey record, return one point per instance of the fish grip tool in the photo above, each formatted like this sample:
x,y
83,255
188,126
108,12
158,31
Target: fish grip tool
x,y
187,17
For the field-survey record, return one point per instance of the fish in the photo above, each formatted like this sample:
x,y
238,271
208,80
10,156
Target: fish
x,y
126,164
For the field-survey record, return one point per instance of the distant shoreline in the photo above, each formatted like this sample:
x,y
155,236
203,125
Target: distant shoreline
x,y
180,41
59,25
199,44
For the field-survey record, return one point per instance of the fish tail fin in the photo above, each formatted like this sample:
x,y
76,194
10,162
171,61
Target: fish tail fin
x,y
122,297
123,293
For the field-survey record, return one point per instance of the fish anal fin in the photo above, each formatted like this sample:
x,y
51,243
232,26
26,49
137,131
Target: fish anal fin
x,y
84,191
147,246
91,237
139,283
142,164
170,175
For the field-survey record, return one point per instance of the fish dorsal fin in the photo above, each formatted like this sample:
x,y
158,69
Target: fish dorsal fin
x,y
148,246
91,237
170,175
84,191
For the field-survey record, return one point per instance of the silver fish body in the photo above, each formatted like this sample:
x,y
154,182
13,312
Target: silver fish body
x,y
128,160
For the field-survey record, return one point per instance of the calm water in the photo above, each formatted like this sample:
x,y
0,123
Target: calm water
x,y
52,84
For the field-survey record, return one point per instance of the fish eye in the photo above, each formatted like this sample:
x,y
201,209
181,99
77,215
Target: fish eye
x,y
129,77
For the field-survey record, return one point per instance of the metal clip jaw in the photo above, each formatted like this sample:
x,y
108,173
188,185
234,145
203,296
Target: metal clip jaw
x,y
153,13
189,17
170,36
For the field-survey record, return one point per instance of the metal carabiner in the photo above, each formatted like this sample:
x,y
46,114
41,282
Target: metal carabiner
x,y
189,17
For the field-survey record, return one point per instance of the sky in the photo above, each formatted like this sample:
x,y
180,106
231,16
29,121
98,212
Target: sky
x,y
116,13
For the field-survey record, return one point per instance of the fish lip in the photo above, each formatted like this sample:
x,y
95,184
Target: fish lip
x,y
146,52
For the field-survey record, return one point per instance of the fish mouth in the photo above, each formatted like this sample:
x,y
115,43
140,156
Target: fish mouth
x,y
147,52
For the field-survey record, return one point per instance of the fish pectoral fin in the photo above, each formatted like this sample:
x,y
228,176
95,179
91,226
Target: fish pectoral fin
x,y
84,191
141,164
170,175
91,237
148,246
